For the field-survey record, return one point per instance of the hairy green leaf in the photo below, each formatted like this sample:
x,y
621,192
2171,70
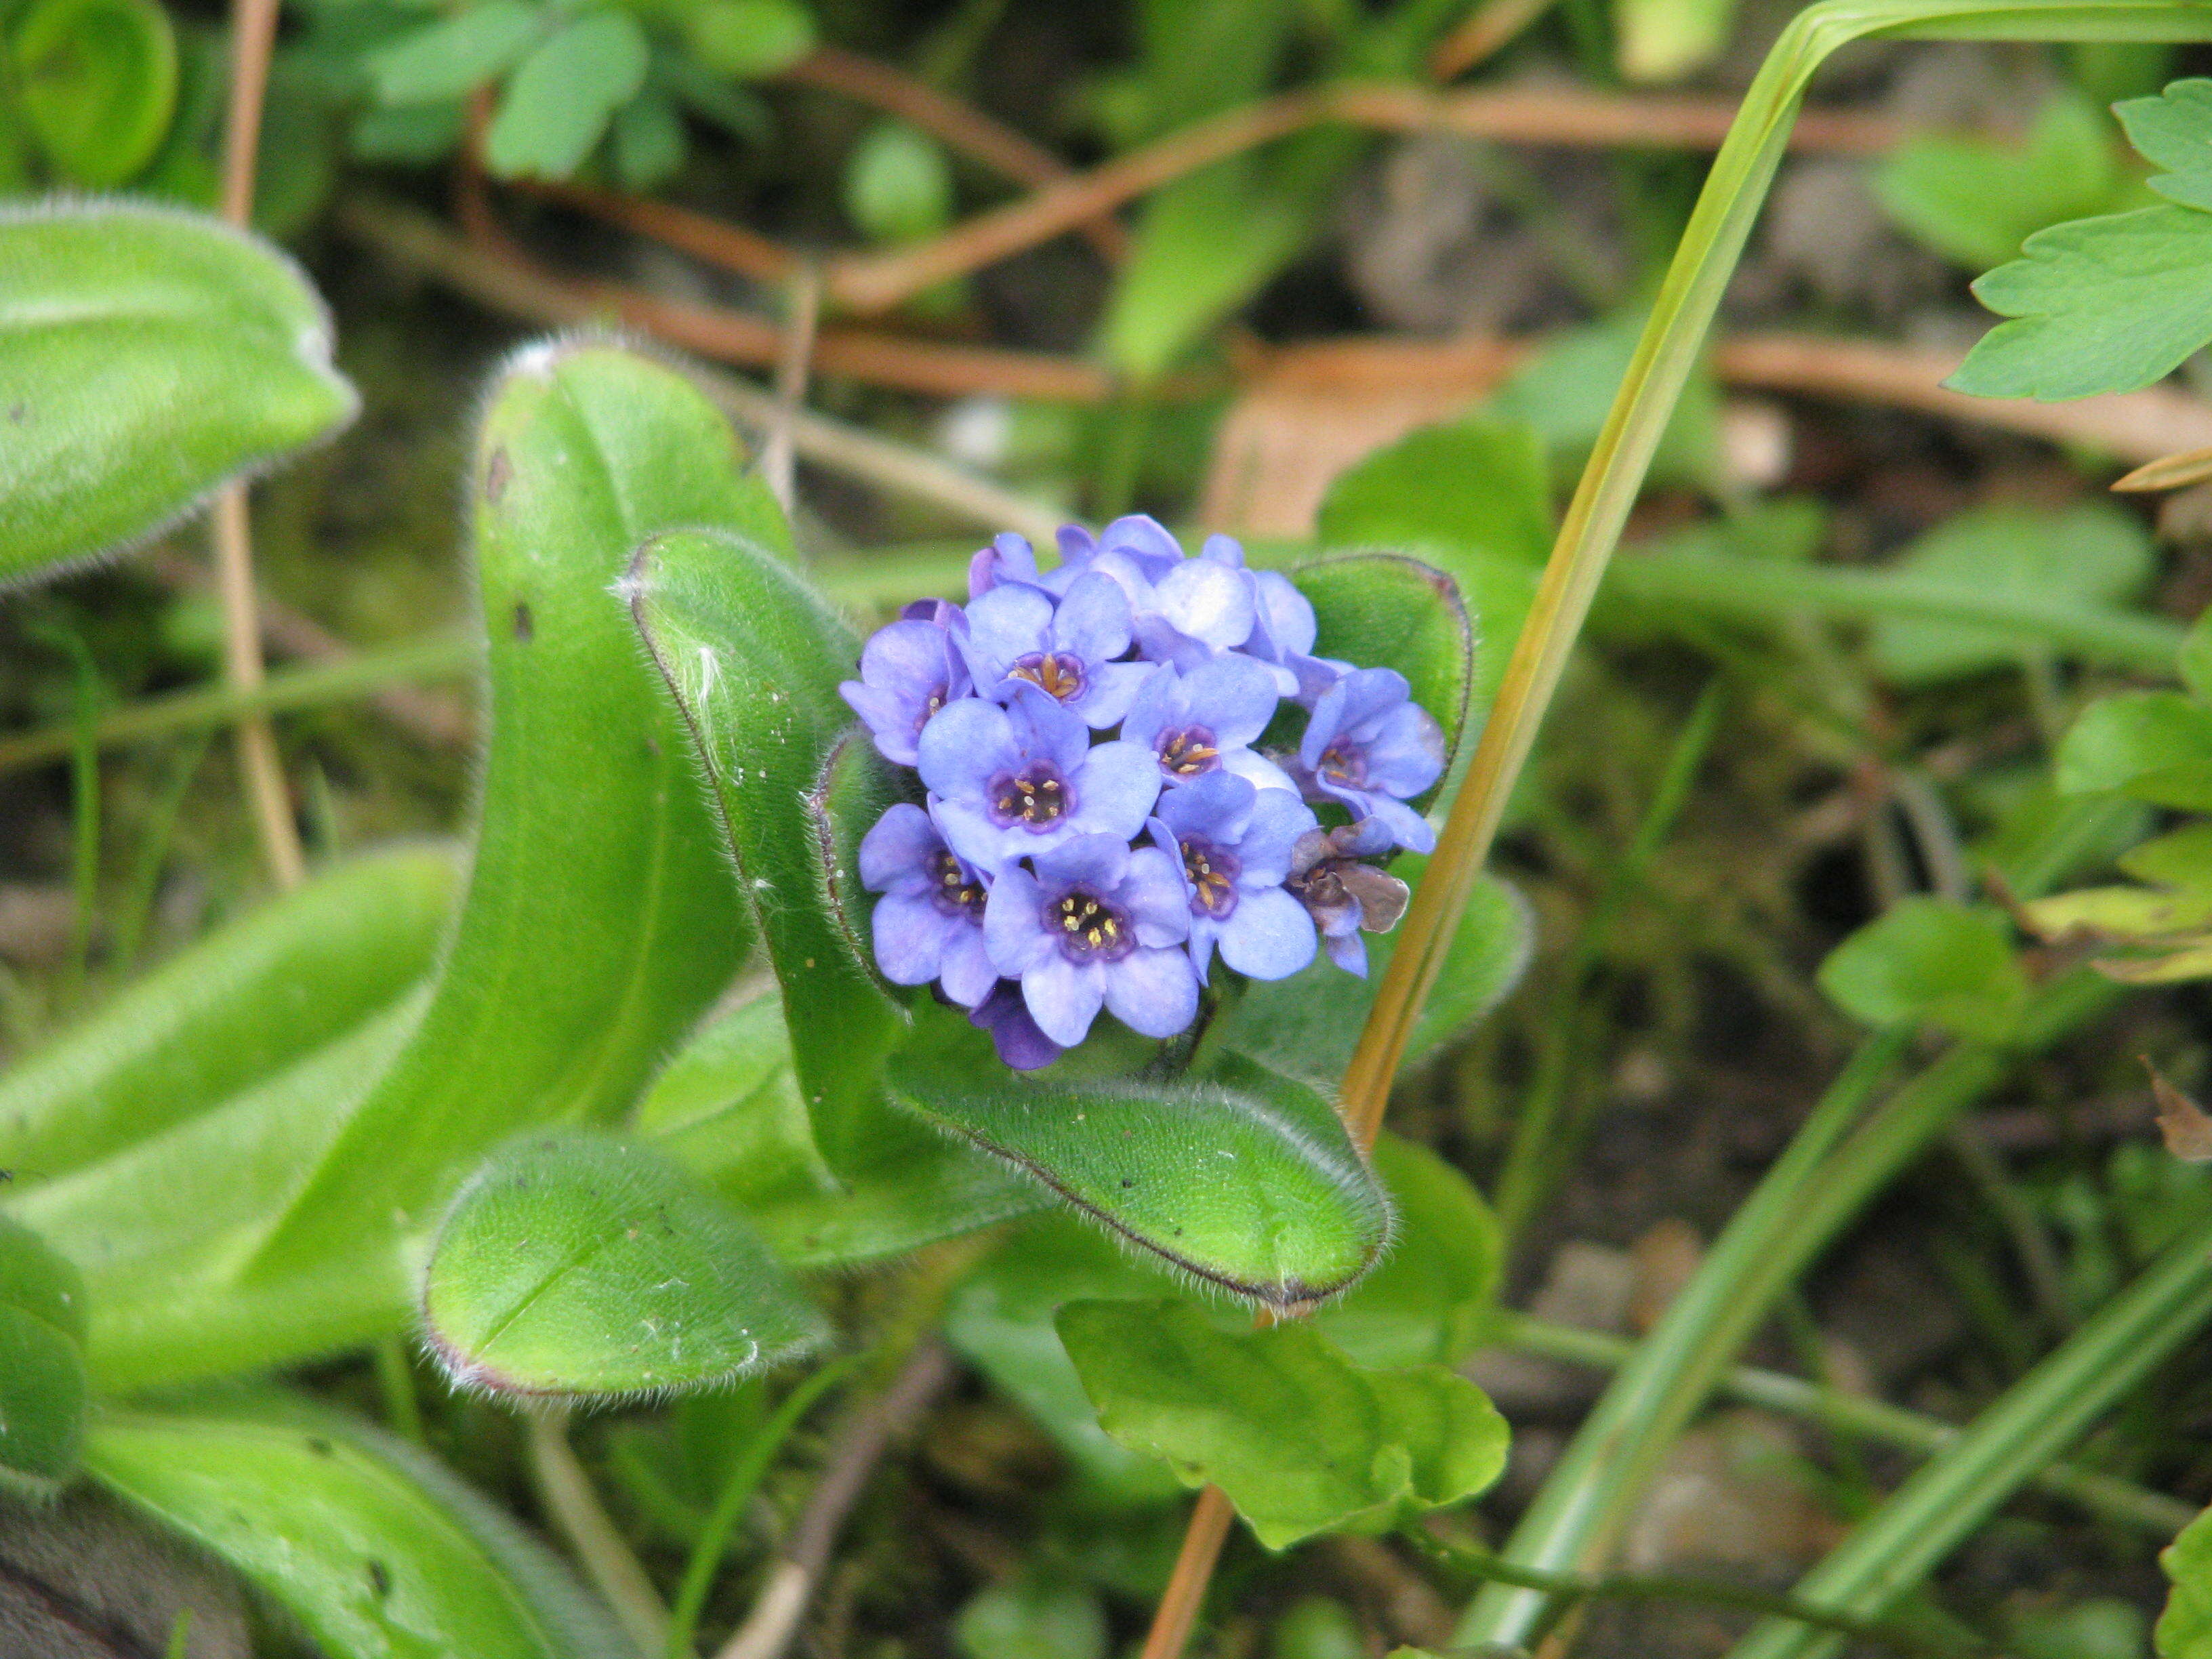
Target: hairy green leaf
x,y
2175,131
231,1010
600,900
1301,1440
728,1107
43,1391
2089,558
2107,304
376,1550
556,107
1930,959
573,1263
96,80
753,659
1262,1196
146,356
2155,746
1975,201
455,55
165,1227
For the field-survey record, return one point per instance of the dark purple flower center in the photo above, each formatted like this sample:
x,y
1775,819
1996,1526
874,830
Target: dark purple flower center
x,y
1054,672
1088,927
1213,874
1344,764
1036,796
952,892
930,705
1189,751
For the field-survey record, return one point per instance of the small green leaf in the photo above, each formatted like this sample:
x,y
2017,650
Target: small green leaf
x,y
1475,486
898,183
2089,556
577,1264
97,84
43,1391
1265,1198
1301,1440
1424,1304
234,1008
753,658
556,108
1930,960
728,1107
1567,390
2179,858
1306,1026
2155,746
1666,39
2184,1629
454,56
146,356
649,141
1381,610
375,1550
1975,201
749,39
2174,131
2107,304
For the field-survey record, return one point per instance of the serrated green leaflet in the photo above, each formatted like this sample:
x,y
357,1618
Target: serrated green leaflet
x,y
43,1392
753,660
557,104
146,356
96,82
728,1107
2175,131
2108,304
376,1550
1264,1197
165,1226
1301,1440
1381,610
573,1263
599,899
2184,1629
234,1008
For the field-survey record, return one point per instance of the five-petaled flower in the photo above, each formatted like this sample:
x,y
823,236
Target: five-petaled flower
x,y
1234,844
909,671
1024,778
1018,636
1369,748
929,922
1098,922
1203,721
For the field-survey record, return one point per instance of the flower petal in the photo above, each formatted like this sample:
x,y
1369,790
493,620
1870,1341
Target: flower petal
x,y
1115,789
1014,924
911,937
1279,818
1158,705
899,850
1063,998
1233,695
1093,619
1268,936
1114,685
1010,621
1208,602
1259,771
1348,951
965,743
1156,897
1152,992
1099,862
965,969
1406,751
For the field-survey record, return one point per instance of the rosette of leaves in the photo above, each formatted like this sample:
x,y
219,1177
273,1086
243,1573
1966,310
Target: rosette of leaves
x,y
601,90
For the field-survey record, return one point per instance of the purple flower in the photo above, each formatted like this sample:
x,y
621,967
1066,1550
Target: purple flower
x,y
1099,922
1017,634
1344,896
1203,721
909,669
1024,778
1016,1035
929,922
1370,747
1234,843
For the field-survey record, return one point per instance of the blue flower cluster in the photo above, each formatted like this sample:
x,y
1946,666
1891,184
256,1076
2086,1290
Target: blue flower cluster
x,y
1098,825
